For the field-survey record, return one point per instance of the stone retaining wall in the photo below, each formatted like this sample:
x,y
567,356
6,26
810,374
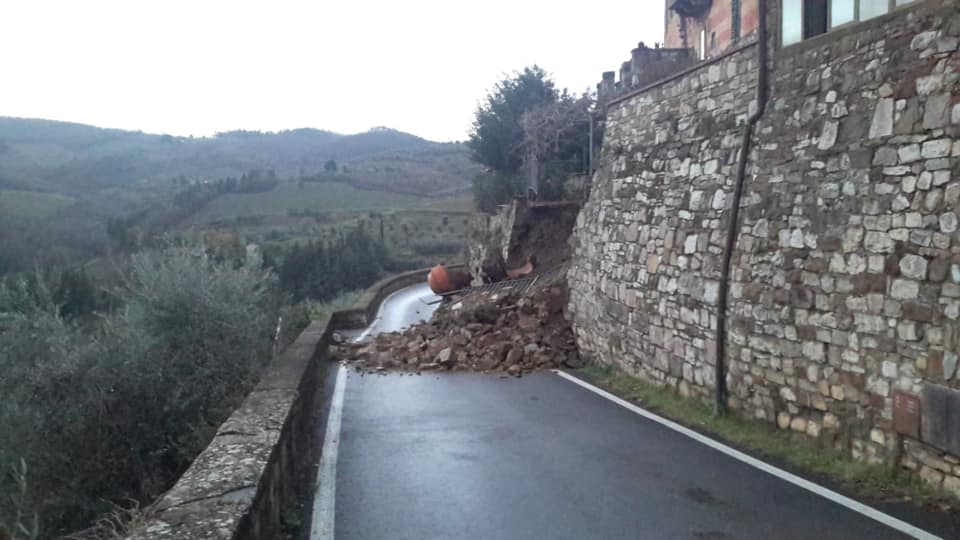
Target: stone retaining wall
x,y
250,480
845,291
647,244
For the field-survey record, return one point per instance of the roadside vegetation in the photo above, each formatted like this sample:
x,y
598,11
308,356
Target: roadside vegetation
x,y
873,481
142,278
530,136
95,414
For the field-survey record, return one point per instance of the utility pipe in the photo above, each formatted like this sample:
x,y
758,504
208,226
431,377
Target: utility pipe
x,y
733,229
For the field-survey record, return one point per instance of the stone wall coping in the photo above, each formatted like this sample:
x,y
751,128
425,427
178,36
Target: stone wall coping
x,y
220,488
682,73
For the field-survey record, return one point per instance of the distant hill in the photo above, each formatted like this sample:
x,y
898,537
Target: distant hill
x,y
61,183
73,159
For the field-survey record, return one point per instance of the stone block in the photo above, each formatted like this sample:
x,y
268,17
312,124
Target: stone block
x,y
934,423
903,289
913,267
886,156
908,153
948,222
931,84
938,148
882,123
936,112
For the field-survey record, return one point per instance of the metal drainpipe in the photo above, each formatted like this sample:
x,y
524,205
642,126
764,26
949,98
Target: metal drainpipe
x,y
720,405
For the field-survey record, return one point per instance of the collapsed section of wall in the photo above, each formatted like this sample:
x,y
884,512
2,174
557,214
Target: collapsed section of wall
x,y
519,231
844,319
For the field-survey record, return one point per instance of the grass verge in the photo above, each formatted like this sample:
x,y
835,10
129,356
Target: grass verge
x,y
799,452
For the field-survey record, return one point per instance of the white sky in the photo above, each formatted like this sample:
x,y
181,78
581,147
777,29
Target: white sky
x,y
201,66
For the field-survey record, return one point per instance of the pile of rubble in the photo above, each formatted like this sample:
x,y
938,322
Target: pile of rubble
x,y
489,331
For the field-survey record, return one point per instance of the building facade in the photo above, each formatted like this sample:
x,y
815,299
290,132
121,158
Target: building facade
x,y
709,27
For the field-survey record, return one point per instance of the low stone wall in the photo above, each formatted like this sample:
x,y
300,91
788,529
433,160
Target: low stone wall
x,y
253,469
259,466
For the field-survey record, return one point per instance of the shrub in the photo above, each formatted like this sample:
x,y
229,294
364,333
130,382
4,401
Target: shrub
x,y
119,414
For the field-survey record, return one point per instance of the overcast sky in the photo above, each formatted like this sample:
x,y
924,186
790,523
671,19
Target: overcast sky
x,y
201,66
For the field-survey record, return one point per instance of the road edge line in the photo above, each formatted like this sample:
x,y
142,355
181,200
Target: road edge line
x,y
324,501
812,487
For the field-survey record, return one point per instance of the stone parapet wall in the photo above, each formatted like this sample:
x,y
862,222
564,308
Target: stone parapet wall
x,y
257,467
251,479
845,290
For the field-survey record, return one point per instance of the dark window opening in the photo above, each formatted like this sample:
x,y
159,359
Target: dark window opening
x,y
735,20
814,18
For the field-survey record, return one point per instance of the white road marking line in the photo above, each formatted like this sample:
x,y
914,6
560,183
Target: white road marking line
x,y
324,515
861,508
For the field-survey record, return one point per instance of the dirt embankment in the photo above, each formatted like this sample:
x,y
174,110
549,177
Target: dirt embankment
x,y
487,331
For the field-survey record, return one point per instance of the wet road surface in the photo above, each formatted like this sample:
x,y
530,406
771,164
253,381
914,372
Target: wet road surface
x,y
479,456
404,308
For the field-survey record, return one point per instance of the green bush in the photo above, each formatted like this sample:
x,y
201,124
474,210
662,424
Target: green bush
x,y
493,189
119,414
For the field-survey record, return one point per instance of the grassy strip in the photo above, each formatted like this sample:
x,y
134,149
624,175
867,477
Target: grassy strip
x,y
878,482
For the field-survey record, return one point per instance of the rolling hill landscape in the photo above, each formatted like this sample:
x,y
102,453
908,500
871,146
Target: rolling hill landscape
x,y
61,183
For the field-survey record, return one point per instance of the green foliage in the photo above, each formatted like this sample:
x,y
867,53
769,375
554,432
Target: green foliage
x,y
24,525
320,271
525,120
119,413
76,294
313,197
330,166
497,133
31,205
493,189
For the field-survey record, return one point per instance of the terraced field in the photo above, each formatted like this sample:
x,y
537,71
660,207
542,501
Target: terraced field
x,y
31,205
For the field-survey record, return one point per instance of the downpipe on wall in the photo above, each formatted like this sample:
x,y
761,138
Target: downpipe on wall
x,y
733,224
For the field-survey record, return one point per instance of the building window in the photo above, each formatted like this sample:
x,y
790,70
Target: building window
x,y
735,20
803,19
842,12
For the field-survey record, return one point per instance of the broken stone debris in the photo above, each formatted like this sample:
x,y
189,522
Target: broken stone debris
x,y
488,331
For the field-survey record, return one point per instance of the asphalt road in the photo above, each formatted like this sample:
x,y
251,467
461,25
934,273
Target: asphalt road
x,y
404,308
479,456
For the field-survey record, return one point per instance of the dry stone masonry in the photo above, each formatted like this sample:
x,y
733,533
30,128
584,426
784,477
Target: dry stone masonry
x,y
844,317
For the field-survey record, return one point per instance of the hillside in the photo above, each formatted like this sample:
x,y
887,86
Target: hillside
x,y
73,159
61,183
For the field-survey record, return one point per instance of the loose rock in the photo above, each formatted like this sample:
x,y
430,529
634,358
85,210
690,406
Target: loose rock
x,y
484,331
